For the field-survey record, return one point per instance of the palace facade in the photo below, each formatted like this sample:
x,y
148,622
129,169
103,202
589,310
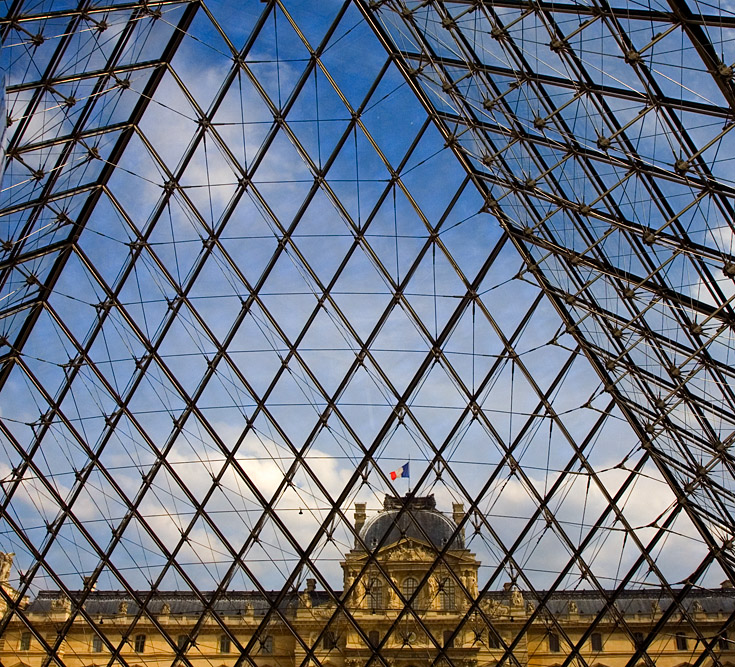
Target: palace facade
x,y
400,606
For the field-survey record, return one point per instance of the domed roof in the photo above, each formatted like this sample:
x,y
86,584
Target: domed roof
x,y
420,521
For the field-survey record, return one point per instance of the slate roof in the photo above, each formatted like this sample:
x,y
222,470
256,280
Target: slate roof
x,y
629,602
107,603
421,522
589,603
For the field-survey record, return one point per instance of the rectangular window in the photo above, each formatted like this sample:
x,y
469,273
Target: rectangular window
x,y
140,643
25,641
553,642
329,641
638,639
96,644
681,641
224,644
722,643
493,639
448,639
374,637
596,642
181,642
266,644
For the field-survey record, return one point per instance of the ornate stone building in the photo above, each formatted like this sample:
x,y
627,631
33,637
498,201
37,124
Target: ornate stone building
x,y
400,606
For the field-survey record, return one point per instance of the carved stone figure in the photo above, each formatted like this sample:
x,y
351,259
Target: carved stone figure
x,y
6,562
392,599
432,589
493,608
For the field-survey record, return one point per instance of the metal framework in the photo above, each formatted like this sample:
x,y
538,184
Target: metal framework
x,y
255,255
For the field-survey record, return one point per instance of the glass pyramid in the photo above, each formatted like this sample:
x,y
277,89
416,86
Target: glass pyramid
x,y
258,255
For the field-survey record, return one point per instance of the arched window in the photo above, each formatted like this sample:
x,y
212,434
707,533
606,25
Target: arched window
x,y
224,644
96,644
447,594
409,587
374,593
374,637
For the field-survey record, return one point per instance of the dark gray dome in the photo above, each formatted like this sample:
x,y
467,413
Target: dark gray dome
x,y
421,521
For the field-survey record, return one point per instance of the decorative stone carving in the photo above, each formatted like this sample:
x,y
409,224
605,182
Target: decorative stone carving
x,y
493,608
572,608
516,598
409,552
122,608
61,604
165,609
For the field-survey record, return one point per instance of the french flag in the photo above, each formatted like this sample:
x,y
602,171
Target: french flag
x,y
401,472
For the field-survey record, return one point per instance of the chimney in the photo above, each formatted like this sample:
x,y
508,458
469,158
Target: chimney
x,y
360,517
457,516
